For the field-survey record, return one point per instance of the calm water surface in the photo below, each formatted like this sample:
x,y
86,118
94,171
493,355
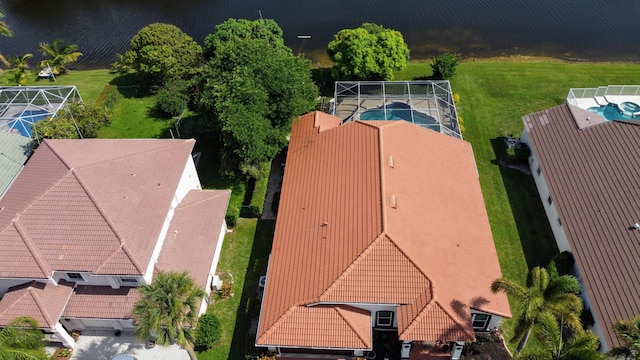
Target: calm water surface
x,y
572,29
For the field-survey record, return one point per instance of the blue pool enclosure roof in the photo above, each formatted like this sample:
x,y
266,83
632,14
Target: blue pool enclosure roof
x,y
23,106
14,152
426,103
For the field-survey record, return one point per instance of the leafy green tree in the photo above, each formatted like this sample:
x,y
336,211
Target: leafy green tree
x,y
628,332
208,332
20,68
556,295
4,31
160,52
173,98
580,346
242,29
22,339
368,52
168,310
251,90
444,66
58,55
76,121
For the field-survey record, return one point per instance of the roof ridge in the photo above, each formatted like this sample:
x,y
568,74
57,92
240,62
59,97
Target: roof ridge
x,y
127,253
220,192
351,266
47,141
433,291
169,144
277,322
428,306
383,192
339,310
33,249
18,298
41,306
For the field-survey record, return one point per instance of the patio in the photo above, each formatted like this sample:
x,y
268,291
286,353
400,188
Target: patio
x,y
104,345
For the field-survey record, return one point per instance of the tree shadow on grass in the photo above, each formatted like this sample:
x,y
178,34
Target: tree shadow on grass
x,y
249,309
128,85
537,239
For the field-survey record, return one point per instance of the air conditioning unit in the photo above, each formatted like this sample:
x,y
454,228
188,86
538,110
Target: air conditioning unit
x,y
216,283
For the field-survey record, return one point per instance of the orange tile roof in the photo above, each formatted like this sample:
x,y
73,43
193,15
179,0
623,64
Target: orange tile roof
x,y
101,302
371,212
192,238
43,302
90,205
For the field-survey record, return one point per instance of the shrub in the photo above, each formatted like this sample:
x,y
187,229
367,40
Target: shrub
x,y
257,198
564,263
208,332
226,290
444,66
173,99
233,213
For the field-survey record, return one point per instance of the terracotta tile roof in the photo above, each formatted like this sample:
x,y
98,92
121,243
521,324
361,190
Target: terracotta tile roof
x,y
370,212
338,327
90,205
101,302
43,302
594,182
193,234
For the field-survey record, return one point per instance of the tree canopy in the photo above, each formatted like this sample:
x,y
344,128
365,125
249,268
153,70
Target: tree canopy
x,y
556,295
22,339
251,89
628,332
58,55
444,66
369,52
168,310
242,29
76,121
160,52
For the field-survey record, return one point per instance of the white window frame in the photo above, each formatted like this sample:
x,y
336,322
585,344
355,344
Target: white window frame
x,y
384,321
485,324
124,281
74,279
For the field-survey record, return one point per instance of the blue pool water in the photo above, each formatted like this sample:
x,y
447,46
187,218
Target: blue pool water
x,y
625,111
23,125
398,111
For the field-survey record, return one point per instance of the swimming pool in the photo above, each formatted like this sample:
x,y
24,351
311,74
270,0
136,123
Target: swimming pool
x,y
625,111
398,111
22,125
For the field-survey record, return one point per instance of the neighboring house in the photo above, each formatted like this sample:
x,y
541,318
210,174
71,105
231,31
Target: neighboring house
x,y
87,221
382,232
587,172
14,152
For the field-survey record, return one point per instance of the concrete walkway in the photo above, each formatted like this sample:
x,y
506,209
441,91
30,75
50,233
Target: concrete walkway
x,y
105,345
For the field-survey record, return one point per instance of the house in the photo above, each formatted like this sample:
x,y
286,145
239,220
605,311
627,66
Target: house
x,y
586,170
88,221
381,233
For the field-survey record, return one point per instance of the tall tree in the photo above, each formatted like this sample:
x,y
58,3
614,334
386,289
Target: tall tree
x,y
252,89
161,52
168,310
234,30
556,295
22,339
58,55
20,68
580,346
4,31
368,52
628,332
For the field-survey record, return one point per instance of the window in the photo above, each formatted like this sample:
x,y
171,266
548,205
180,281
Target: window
x,y
559,222
549,200
480,321
129,281
73,276
538,171
384,318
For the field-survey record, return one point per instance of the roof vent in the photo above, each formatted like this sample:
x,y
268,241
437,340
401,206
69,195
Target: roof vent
x,y
636,226
390,161
588,118
394,202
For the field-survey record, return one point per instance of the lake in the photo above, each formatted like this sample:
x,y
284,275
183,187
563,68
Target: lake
x,y
589,30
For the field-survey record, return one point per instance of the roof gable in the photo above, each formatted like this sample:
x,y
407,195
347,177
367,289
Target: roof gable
x,y
43,302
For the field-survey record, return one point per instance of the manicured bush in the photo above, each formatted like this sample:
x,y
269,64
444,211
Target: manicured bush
x,y
208,332
233,213
172,99
444,66
259,194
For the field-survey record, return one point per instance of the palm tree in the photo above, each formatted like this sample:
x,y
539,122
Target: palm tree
x,y
4,29
581,346
556,295
59,55
168,310
20,68
628,332
22,339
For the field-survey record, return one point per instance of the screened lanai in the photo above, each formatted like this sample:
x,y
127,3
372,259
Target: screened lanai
x,y
23,106
425,103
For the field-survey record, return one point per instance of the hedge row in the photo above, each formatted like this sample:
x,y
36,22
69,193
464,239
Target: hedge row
x,y
259,194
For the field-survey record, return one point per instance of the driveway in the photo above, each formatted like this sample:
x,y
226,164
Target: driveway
x,y
104,346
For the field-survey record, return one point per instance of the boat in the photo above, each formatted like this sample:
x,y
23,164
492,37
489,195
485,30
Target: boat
x,y
46,73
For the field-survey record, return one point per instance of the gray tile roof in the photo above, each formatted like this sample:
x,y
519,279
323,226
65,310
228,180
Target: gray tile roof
x,y
14,152
593,175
